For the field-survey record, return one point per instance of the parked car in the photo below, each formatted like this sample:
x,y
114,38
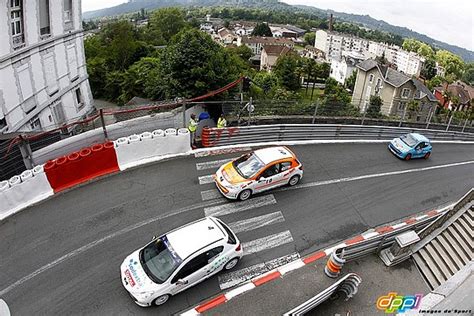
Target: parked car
x,y
258,171
179,260
412,145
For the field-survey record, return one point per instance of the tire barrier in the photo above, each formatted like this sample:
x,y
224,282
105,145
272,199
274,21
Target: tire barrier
x,y
334,265
348,285
137,149
21,191
304,132
78,167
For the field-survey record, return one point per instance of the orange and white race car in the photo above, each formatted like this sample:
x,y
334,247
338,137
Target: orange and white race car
x,y
258,171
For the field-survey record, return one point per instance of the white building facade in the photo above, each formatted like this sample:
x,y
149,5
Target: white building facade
x,y
43,77
333,44
342,68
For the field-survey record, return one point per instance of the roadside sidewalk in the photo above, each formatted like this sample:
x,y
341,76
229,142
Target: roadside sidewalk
x,y
294,288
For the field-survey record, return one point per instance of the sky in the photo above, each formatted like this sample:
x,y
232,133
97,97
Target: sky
x,y
422,16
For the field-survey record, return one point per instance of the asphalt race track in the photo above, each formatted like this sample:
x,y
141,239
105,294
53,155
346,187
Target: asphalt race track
x,y
63,255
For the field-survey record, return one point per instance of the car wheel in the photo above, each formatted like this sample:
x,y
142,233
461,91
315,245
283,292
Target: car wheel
x,y
231,264
160,300
294,180
427,155
245,195
408,157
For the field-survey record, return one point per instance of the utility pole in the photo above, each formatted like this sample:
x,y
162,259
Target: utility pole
x,y
26,152
315,111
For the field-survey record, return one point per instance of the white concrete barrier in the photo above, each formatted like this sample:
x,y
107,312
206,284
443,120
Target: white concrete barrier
x,y
24,190
147,147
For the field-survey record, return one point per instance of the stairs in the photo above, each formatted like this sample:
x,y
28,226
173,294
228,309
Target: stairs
x,y
450,250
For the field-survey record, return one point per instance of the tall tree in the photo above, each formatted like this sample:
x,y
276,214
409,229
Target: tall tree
x,y
375,105
429,69
262,29
453,64
287,71
468,76
167,22
309,38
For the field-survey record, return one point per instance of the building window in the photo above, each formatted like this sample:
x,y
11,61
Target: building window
x,y
79,99
45,23
371,78
401,106
68,13
58,113
35,124
405,93
16,14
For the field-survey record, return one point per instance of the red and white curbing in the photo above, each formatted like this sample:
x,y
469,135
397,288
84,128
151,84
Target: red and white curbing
x,y
301,262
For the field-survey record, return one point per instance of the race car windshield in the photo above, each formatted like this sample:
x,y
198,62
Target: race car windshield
x,y
248,165
409,140
159,260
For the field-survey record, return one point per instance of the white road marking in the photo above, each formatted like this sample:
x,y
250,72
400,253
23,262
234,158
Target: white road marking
x,y
230,279
397,226
234,207
267,242
90,245
291,266
375,175
224,151
212,164
256,222
206,179
212,195
237,291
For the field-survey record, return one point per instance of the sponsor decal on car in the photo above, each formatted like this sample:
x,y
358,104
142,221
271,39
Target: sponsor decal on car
x,y
132,270
129,278
216,264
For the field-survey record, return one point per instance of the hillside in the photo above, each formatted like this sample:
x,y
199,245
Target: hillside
x,y
364,20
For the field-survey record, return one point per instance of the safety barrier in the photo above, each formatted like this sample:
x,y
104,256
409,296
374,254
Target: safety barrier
x,y
23,190
334,264
84,165
348,285
301,132
136,149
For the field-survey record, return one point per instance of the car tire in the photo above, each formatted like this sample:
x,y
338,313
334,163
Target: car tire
x,y
245,195
231,264
160,300
427,155
408,157
294,180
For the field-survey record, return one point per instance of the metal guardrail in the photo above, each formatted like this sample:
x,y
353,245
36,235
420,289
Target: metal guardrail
x,y
348,285
300,132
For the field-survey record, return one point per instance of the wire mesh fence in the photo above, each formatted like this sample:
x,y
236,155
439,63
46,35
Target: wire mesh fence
x,y
118,122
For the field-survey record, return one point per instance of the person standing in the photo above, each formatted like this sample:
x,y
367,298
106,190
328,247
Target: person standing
x,y
221,122
192,127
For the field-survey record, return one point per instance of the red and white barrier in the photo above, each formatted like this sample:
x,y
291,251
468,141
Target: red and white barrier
x,y
82,166
140,149
21,191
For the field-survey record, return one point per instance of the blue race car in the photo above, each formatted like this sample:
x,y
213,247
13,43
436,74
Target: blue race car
x,y
410,146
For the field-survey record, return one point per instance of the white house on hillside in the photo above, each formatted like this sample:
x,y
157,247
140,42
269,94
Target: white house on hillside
x,y
334,43
342,68
43,78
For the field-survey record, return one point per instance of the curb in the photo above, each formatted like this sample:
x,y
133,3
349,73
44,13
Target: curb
x,y
299,263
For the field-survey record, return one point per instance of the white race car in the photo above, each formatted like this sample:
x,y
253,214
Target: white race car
x,y
178,260
258,171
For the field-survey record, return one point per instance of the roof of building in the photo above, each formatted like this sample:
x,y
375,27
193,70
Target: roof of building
x,y
224,32
189,238
391,76
422,91
276,50
295,29
271,154
459,90
266,40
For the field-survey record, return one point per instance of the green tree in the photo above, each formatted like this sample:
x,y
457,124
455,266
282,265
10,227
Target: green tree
x,y
97,71
350,82
243,51
422,49
413,107
287,71
436,81
468,76
136,77
375,105
167,22
429,69
337,101
453,64
262,29
267,83
309,38
194,64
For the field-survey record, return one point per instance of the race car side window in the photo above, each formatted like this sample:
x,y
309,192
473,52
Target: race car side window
x,y
285,166
211,254
191,267
270,171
